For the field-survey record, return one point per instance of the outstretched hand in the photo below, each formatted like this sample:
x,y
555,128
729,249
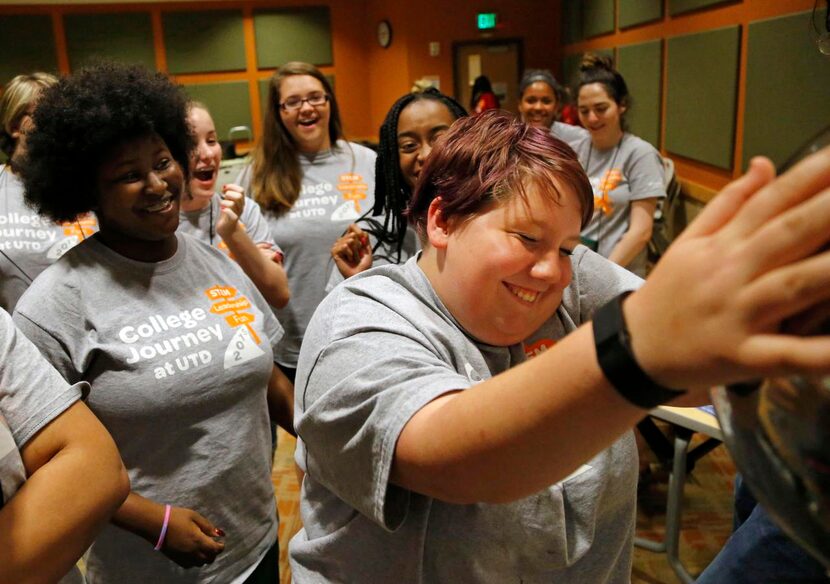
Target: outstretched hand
x,y
190,540
713,308
352,253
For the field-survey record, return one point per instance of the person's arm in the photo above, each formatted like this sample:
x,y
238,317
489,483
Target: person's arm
x,y
190,537
636,237
76,482
281,400
267,275
352,253
710,313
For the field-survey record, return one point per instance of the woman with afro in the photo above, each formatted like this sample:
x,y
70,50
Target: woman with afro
x,y
174,340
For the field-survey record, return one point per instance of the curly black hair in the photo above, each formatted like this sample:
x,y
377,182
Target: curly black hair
x,y
392,194
78,122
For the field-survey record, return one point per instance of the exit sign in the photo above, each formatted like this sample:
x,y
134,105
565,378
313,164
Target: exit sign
x,y
486,20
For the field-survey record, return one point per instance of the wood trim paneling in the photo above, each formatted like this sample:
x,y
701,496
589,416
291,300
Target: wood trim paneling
x,y
740,13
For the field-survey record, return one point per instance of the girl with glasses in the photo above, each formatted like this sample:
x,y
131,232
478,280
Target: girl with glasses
x,y
311,184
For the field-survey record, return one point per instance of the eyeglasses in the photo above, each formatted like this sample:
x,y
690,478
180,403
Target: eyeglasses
x,y
294,103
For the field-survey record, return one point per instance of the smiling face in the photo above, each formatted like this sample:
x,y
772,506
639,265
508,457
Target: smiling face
x,y
204,163
600,115
419,125
503,271
308,125
139,185
538,105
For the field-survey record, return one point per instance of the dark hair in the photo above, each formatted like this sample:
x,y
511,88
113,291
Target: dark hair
x,y
480,85
392,194
79,120
600,69
489,158
532,76
277,176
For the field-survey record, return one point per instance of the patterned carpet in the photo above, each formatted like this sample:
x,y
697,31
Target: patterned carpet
x,y
707,514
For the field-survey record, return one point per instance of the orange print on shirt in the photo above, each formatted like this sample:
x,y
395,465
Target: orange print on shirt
x,y
538,347
607,183
353,188
225,300
81,228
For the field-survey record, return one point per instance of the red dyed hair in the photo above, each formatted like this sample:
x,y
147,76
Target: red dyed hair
x,y
493,157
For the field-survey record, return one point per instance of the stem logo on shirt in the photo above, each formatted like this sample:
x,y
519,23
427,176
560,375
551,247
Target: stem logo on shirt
x,y
539,347
244,344
354,190
604,185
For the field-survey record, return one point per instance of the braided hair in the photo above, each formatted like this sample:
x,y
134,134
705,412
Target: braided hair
x,y
392,194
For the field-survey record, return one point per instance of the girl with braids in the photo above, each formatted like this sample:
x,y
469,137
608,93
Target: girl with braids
x,y
311,185
28,243
407,136
174,340
625,171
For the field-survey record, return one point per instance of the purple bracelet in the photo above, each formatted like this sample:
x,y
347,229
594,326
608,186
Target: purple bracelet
x,y
163,528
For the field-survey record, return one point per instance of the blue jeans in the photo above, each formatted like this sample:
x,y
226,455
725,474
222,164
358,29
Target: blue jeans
x,y
758,552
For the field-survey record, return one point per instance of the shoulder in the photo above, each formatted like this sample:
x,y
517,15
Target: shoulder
x,y
361,153
596,280
637,148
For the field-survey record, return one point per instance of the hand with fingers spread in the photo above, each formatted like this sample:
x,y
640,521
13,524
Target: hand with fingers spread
x,y
190,539
750,262
233,202
352,253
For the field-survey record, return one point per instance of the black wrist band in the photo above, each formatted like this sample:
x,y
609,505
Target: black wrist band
x,y
616,359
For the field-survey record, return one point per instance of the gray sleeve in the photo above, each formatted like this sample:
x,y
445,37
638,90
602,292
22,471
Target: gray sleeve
x,y
59,341
32,393
645,173
597,280
354,400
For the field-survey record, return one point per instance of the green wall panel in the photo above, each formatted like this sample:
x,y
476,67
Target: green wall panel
x,y
701,95
787,88
123,37
197,42
572,21
597,17
681,6
640,65
26,45
570,66
229,104
302,34
634,12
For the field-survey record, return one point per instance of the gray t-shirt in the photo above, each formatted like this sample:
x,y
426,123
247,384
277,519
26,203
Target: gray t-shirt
x,y
338,187
29,243
568,132
178,354
201,224
380,347
631,171
32,394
